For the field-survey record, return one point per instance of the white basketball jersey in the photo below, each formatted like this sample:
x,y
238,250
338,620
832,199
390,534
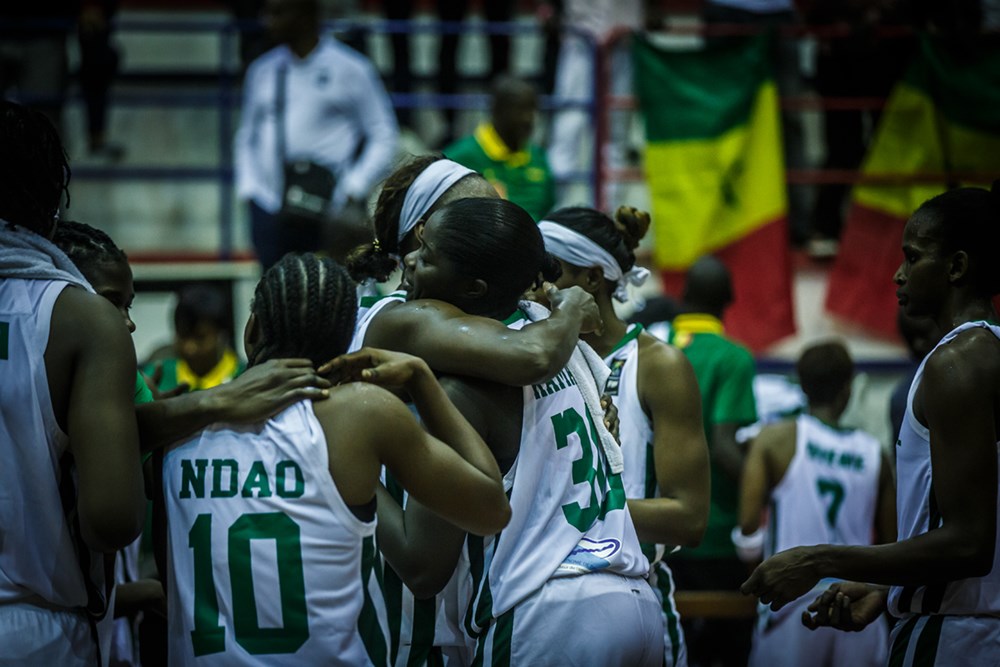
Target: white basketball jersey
x,y
635,429
37,554
829,493
917,513
368,308
266,560
568,511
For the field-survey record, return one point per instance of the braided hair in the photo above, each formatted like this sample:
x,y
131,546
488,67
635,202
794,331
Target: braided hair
x,y
87,246
968,219
305,306
620,236
34,171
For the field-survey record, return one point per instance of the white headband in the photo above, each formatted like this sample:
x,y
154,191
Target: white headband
x,y
578,250
428,187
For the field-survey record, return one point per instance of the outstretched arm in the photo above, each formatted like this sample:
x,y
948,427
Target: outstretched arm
x,y
669,394
960,415
452,342
261,392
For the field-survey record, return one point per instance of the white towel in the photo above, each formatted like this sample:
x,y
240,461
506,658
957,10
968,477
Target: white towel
x,y
591,375
30,256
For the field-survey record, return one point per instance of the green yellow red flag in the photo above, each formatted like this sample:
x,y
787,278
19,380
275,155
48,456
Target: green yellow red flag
x,y
940,129
715,172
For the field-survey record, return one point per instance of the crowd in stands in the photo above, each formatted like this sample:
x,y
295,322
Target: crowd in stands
x,y
446,446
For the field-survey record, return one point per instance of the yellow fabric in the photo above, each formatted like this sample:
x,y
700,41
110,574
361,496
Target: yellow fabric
x,y
496,149
708,193
685,326
909,140
223,372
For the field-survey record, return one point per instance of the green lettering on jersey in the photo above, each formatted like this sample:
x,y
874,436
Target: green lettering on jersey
x,y
192,479
217,466
257,479
4,340
281,487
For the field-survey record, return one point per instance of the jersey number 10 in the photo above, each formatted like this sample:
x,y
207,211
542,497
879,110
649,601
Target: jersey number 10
x,y
208,635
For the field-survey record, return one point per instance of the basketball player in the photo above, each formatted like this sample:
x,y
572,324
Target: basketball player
x,y
820,484
942,578
571,541
654,388
268,523
72,485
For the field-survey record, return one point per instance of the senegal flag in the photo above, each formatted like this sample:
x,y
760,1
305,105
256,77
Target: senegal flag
x,y
716,176
941,125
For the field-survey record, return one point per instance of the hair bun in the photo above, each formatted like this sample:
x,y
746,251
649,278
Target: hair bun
x,y
632,224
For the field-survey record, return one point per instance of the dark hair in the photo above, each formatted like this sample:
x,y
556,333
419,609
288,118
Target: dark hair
x,y
824,370
368,261
968,219
305,306
86,246
620,236
34,169
201,303
495,240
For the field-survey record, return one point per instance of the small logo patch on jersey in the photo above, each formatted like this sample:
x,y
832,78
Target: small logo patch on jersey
x,y
593,555
611,386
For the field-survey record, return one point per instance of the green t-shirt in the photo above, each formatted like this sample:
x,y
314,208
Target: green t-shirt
x,y
176,372
523,177
725,371
142,392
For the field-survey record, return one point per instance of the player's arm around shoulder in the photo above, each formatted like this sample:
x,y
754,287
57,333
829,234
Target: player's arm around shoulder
x,y
451,341
668,392
449,469
957,400
100,417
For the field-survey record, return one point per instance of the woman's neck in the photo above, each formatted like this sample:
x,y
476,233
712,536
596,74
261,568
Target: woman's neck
x,y
614,329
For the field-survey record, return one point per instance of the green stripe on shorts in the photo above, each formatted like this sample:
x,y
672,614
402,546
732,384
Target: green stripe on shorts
x,y
927,642
898,652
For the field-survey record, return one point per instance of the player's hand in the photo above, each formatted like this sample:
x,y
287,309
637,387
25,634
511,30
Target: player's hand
x,y
783,577
153,383
578,299
391,370
846,606
266,389
610,416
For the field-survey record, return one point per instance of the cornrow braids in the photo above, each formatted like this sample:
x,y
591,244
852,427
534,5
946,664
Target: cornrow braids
x,y
371,261
34,171
87,246
305,306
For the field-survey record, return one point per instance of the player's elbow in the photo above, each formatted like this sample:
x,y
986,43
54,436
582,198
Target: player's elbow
x,y
110,530
532,364
494,517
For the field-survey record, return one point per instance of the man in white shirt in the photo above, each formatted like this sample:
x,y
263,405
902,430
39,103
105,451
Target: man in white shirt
x,y
310,98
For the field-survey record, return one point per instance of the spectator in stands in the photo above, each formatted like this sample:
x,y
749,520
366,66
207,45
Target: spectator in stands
x,y
34,68
860,64
725,372
98,67
589,22
322,106
452,11
202,354
502,151
818,483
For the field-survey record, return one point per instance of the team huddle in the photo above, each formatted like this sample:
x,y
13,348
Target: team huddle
x,y
485,466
